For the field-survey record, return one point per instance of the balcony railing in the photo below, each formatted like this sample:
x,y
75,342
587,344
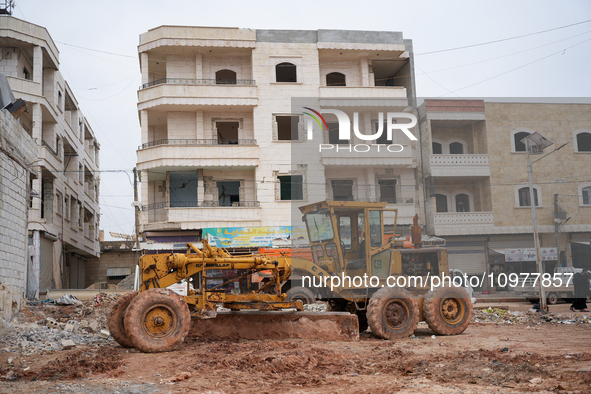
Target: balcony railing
x,y
49,148
463,218
186,81
399,201
459,159
197,142
195,204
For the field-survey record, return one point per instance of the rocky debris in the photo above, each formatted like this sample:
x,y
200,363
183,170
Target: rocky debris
x,y
317,307
67,344
127,283
503,316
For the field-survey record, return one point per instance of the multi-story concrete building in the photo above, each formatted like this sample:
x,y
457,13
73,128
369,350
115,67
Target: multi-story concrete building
x,y
64,209
476,183
219,131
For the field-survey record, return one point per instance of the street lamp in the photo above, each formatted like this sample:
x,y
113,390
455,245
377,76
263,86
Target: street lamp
x,y
535,143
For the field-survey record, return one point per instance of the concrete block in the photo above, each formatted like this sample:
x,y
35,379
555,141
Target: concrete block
x,y
67,344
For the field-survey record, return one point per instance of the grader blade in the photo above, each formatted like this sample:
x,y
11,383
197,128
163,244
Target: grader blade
x,y
326,326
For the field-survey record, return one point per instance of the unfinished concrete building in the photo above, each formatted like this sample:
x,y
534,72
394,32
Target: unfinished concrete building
x,y
64,209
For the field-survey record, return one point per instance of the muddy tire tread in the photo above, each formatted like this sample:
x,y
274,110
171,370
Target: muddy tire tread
x,y
135,311
115,320
375,313
431,306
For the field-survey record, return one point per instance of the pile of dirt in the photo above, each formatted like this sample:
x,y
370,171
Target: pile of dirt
x,y
127,283
78,364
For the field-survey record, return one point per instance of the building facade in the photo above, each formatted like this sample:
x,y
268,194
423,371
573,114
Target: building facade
x,y
220,134
476,182
64,209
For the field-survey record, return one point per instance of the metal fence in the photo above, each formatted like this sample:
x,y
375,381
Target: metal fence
x,y
187,81
197,142
196,204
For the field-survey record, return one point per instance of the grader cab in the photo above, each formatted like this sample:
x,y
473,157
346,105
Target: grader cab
x,y
347,239
357,267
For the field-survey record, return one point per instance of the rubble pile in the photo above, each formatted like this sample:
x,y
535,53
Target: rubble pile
x,y
35,338
58,325
317,307
503,316
127,283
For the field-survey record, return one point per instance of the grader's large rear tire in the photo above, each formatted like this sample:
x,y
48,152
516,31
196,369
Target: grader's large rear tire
x,y
392,313
115,321
299,293
447,310
157,320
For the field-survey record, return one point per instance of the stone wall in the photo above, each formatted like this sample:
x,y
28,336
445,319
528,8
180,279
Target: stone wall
x,y
17,149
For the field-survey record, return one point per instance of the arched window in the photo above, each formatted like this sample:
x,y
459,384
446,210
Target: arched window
x,y
524,200
286,72
584,142
441,202
335,79
225,77
456,148
517,137
462,203
586,195
437,149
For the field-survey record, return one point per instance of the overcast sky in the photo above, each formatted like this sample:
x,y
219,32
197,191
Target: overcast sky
x,y
551,64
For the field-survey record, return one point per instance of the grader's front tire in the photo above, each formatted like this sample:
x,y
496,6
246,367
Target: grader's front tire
x,y
392,313
157,320
115,321
447,310
299,293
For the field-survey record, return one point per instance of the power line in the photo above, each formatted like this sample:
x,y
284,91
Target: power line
x,y
96,50
501,40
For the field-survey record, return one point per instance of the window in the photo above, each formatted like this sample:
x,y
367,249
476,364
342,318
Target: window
x,y
67,207
342,190
383,138
441,203
287,128
227,133
27,73
584,142
285,72
80,215
375,228
333,135
80,173
524,200
183,189
456,148
59,99
437,148
335,79
345,231
59,202
586,194
517,137
462,203
228,193
387,190
291,187
225,77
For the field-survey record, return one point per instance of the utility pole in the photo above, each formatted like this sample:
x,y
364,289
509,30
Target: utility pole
x,y
556,228
532,203
137,209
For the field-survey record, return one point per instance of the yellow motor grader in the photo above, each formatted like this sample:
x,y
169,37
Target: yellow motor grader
x,y
347,239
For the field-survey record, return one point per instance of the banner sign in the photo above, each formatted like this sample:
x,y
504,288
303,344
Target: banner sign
x,y
548,254
245,237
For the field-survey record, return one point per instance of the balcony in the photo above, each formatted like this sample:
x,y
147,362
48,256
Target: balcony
x,y
240,214
197,93
373,92
200,152
346,155
24,86
459,165
461,223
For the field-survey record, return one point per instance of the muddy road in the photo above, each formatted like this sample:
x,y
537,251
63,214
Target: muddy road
x,y
488,357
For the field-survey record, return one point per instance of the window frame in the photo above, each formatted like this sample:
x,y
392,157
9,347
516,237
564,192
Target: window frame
x,y
576,141
538,192
581,188
516,131
291,188
332,73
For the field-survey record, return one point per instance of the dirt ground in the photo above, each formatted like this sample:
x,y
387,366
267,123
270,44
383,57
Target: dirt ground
x,y
486,358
